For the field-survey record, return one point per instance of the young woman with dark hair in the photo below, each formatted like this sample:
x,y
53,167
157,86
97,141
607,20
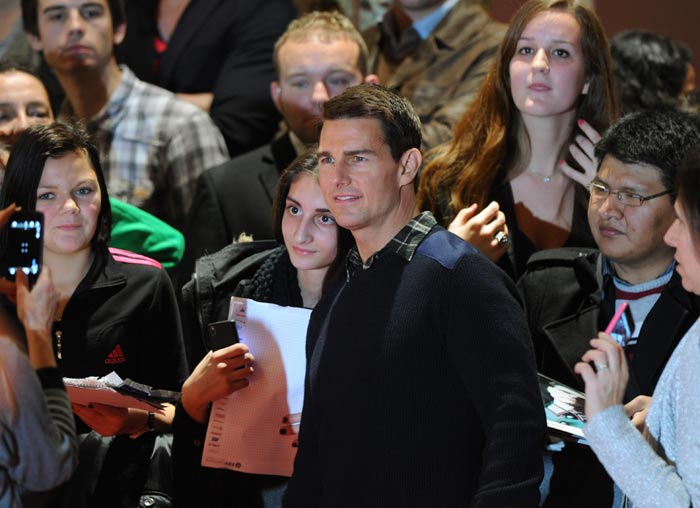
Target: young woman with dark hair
x,y
116,310
309,259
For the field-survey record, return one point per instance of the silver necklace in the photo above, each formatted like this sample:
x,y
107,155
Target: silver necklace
x,y
545,178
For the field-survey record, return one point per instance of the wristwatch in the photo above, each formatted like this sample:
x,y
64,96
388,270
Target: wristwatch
x,y
151,422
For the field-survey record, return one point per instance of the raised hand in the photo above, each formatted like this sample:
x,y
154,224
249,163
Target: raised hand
x,y
605,386
480,229
582,150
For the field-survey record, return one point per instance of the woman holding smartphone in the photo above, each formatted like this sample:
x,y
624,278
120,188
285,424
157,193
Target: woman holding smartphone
x,y
114,312
296,273
659,467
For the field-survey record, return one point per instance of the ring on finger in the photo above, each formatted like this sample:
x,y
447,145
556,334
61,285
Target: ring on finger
x,y
501,238
601,366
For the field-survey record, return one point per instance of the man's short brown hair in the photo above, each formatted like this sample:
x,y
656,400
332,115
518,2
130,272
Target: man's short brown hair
x,y
326,27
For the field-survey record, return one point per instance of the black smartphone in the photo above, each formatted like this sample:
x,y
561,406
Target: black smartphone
x,y
621,326
222,334
25,245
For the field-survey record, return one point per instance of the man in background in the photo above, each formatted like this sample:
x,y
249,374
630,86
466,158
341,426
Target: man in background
x,y
436,54
152,145
317,57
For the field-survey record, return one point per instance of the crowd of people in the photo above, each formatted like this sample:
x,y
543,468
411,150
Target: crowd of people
x,y
463,204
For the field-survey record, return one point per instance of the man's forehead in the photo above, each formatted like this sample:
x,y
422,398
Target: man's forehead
x,y
351,131
57,4
630,173
342,54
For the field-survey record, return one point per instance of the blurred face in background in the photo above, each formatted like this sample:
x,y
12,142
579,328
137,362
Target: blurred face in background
x,y
23,102
76,35
311,72
680,236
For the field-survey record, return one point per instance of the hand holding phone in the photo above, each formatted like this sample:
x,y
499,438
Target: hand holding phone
x,y
222,334
621,326
25,245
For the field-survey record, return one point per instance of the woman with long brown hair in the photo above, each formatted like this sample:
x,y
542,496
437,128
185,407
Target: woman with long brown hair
x,y
505,183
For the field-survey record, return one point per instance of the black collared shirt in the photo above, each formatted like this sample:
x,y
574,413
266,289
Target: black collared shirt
x,y
404,243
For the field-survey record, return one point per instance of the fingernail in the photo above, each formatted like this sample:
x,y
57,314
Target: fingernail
x,y
561,161
580,121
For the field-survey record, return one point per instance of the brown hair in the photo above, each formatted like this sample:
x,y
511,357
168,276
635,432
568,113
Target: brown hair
x,y
401,127
490,139
688,191
326,27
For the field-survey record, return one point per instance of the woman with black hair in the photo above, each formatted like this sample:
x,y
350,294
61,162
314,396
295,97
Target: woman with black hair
x,y
116,310
309,259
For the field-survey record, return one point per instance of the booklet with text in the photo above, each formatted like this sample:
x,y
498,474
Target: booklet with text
x,y
112,390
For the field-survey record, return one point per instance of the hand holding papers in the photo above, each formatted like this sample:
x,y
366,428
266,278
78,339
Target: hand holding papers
x,y
111,390
254,430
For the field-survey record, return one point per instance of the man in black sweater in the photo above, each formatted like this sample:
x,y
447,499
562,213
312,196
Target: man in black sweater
x,y
420,387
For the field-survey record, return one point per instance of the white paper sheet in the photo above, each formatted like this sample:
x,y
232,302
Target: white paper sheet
x,y
254,430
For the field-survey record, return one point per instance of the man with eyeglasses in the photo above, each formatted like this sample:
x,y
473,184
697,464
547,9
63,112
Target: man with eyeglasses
x,y
571,294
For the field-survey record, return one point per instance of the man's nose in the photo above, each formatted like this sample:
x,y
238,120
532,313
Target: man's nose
x,y
611,206
76,23
320,93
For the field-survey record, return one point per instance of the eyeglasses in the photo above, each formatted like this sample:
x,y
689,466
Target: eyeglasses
x,y
599,191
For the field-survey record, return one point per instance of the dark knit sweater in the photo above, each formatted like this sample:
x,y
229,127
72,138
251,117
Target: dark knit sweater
x,y
422,391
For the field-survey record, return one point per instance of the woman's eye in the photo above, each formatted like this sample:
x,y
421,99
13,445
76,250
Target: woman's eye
x,y
326,219
293,210
525,51
45,196
561,53
83,191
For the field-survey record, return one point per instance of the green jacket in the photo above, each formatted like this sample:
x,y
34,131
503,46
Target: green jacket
x,y
138,231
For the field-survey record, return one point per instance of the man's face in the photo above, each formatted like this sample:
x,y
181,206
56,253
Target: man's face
x,y
311,72
632,236
76,34
360,180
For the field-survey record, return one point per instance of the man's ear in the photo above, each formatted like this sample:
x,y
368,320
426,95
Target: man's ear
x,y
372,78
410,164
119,33
34,41
275,93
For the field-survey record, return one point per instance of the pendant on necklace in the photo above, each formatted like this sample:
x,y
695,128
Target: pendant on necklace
x,y
547,179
